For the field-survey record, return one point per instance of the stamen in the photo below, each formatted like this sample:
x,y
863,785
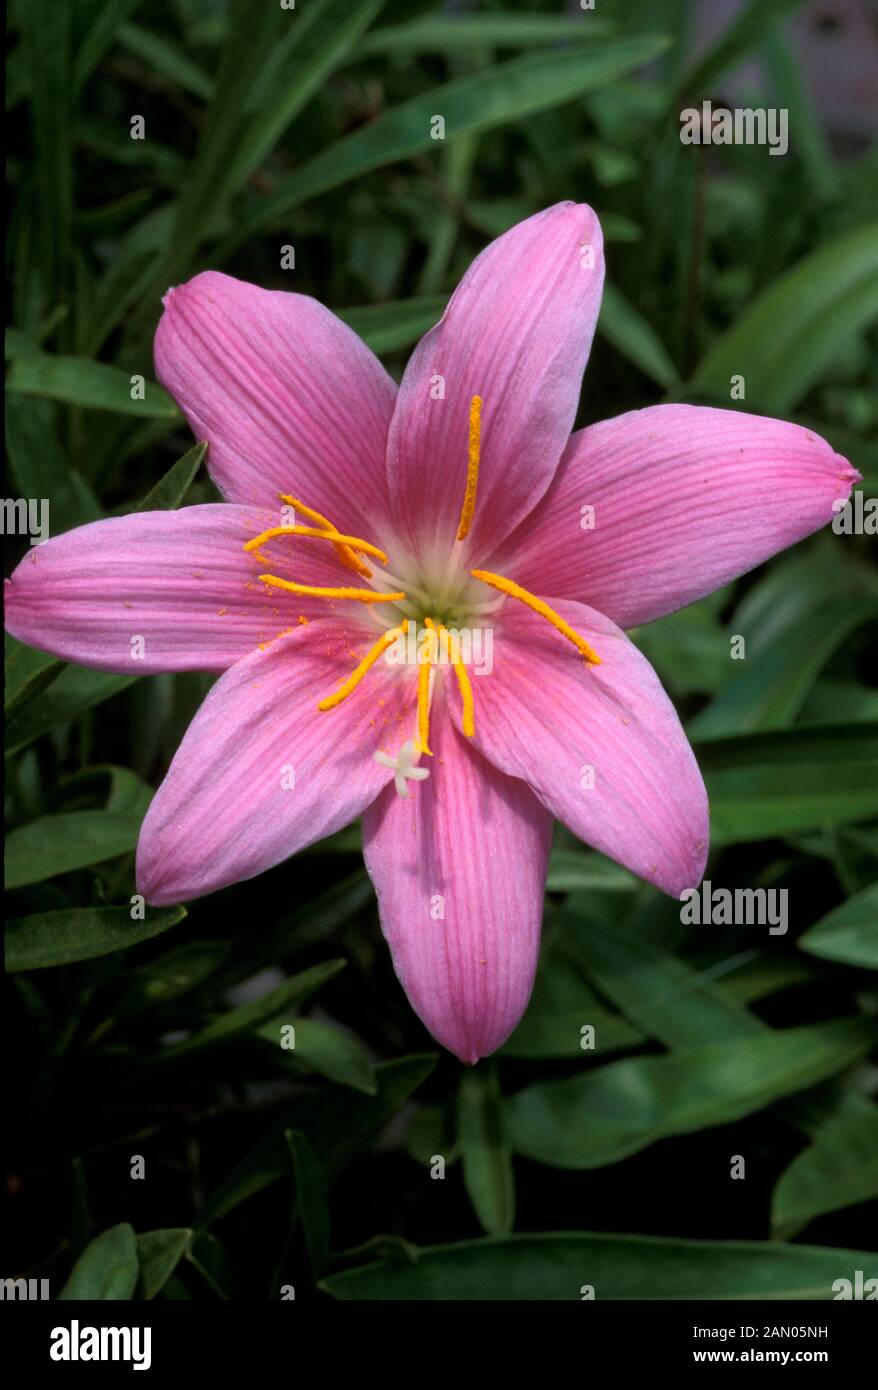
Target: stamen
x,y
351,542
508,586
463,681
467,511
353,680
425,672
363,595
346,556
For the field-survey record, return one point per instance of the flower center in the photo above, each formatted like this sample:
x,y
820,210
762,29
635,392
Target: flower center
x,y
422,613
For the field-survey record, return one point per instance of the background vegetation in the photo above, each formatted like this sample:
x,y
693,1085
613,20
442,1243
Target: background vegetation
x,y
265,1168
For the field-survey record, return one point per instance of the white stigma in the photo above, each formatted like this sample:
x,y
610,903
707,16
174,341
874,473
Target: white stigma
x,y
404,766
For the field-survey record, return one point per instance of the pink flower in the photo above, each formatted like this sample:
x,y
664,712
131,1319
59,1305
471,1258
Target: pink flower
x,y
462,493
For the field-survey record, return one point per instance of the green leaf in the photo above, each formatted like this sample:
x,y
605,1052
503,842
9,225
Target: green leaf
x,y
482,101
453,34
839,1169
165,60
76,690
55,845
487,1162
571,869
40,468
311,1200
821,745
562,1265
248,1017
561,1005
46,32
331,1052
604,1115
94,385
337,1123
771,687
390,327
81,933
27,674
659,993
625,328
170,490
849,934
206,1254
172,975
759,803
799,325
159,1253
106,1270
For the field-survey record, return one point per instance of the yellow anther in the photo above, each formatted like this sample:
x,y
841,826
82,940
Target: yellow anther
x,y
463,681
347,542
365,665
426,659
508,586
362,595
346,556
467,511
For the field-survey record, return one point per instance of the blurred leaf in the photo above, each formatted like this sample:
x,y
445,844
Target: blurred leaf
x,y
76,690
311,1200
839,1169
797,326
27,674
559,1266
106,20
209,1257
487,1162
849,934
390,327
170,490
600,1117
483,101
172,975
561,1005
248,1017
46,30
106,1270
769,689
453,34
54,845
822,744
165,59
159,1253
658,992
81,933
628,332
273,62
337,1123
82,382
330,1051
571,869
41,470
758,803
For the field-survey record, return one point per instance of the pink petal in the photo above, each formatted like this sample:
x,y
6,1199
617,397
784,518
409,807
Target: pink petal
x,y
460,870
262,772
685,498
548,717
181,581
517,332
289,397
